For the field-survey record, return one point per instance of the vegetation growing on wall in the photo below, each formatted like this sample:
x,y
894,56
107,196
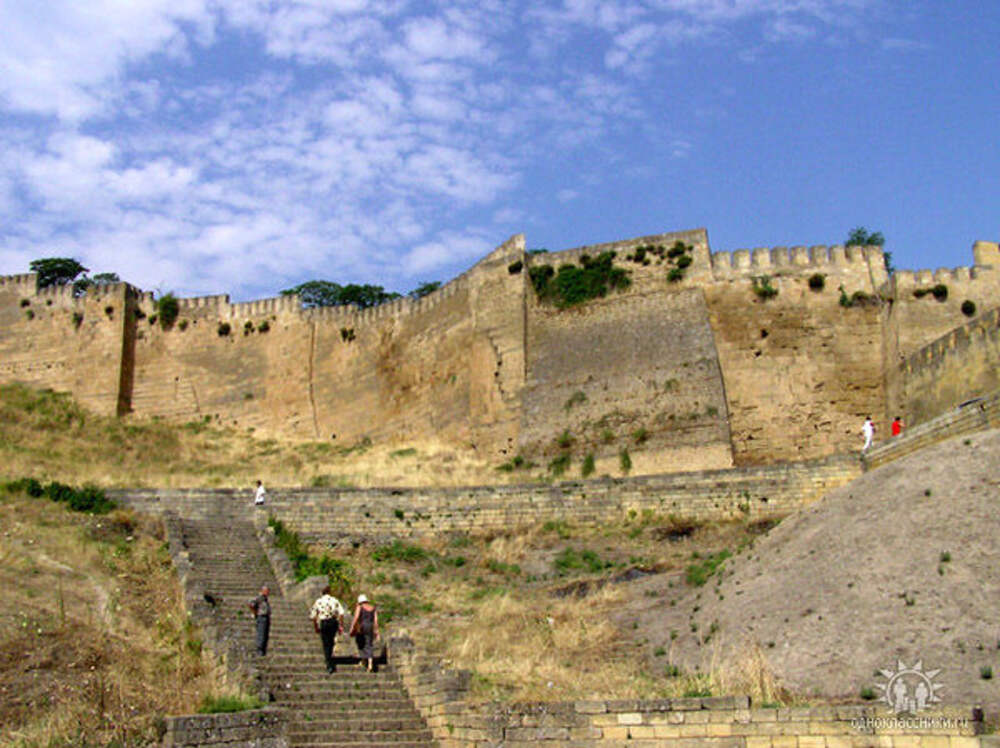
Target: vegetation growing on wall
x,y
573,284
319,293
680,257
858,298
861,237
56,271
425,288
939,292
762,287
167,309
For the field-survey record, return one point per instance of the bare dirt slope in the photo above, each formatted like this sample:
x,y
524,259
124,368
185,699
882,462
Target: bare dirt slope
x,y
902,564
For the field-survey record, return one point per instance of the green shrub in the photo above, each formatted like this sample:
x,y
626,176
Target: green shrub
x,y
969,308
559,527
678,250
264,326
167,309
565,439
515,267
29,486
817,282
577,398
573,560
247,327
587,468
845,300
640,435
573,284
182,325
699,573
868,694
684,261
940,292
86,499
225,704
625,461
499,567
400,552
540,275
224,329
559,465
763,288
674,275
339,572
77,319
698,692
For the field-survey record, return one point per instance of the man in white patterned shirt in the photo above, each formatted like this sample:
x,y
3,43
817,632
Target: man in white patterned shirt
x,y
327,615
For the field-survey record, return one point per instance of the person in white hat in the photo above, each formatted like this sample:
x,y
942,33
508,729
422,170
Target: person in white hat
x,y
364,629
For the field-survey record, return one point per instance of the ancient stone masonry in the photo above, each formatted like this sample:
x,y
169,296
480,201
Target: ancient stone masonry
x,y
687,368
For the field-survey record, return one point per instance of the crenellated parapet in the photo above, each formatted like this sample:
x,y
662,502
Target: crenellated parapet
x,y
288,304
911,280
985,326
863,262
24,282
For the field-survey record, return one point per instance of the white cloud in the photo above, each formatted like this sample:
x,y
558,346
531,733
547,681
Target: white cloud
x,y
449,250
350,139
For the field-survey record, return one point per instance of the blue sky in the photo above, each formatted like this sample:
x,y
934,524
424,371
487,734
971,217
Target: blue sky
x,y
244,146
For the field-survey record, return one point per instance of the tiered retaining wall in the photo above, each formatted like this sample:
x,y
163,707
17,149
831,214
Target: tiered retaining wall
x,y
731,722
259,728
976,415
326,515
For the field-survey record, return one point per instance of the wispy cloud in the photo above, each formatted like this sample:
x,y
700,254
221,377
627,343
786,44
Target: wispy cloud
x,y
241,145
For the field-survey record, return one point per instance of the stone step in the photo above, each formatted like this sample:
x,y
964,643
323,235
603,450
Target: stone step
x,y
368,741
371,737
347,704
349,707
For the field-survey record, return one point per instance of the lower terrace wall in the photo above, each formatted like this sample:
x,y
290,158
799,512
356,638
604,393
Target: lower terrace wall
x,y
442,696
258,728
334,516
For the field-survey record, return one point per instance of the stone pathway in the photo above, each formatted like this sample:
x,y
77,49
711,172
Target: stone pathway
x,y
350,707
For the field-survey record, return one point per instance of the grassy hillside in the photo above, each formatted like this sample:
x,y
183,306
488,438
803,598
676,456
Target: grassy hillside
x,y
48,436
94,641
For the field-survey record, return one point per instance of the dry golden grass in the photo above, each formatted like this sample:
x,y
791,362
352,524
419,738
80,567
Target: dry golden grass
x,y
532,629
94,640
48,436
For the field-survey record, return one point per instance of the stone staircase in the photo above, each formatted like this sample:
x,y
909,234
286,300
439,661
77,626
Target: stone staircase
x,y
351,707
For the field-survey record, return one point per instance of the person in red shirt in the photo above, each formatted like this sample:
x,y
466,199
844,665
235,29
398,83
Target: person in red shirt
x,y
897,426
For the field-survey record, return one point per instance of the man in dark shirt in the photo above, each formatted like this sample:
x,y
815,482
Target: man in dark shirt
x,y
260,606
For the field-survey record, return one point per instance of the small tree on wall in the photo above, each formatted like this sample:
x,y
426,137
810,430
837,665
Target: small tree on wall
x,y
861,237
56,271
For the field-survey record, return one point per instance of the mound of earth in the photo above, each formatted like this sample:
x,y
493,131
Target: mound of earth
x,y
901,565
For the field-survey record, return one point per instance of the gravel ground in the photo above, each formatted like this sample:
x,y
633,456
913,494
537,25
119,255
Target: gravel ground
x,y
903,564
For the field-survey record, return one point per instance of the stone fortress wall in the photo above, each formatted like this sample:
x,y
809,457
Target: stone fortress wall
x,y
693,375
